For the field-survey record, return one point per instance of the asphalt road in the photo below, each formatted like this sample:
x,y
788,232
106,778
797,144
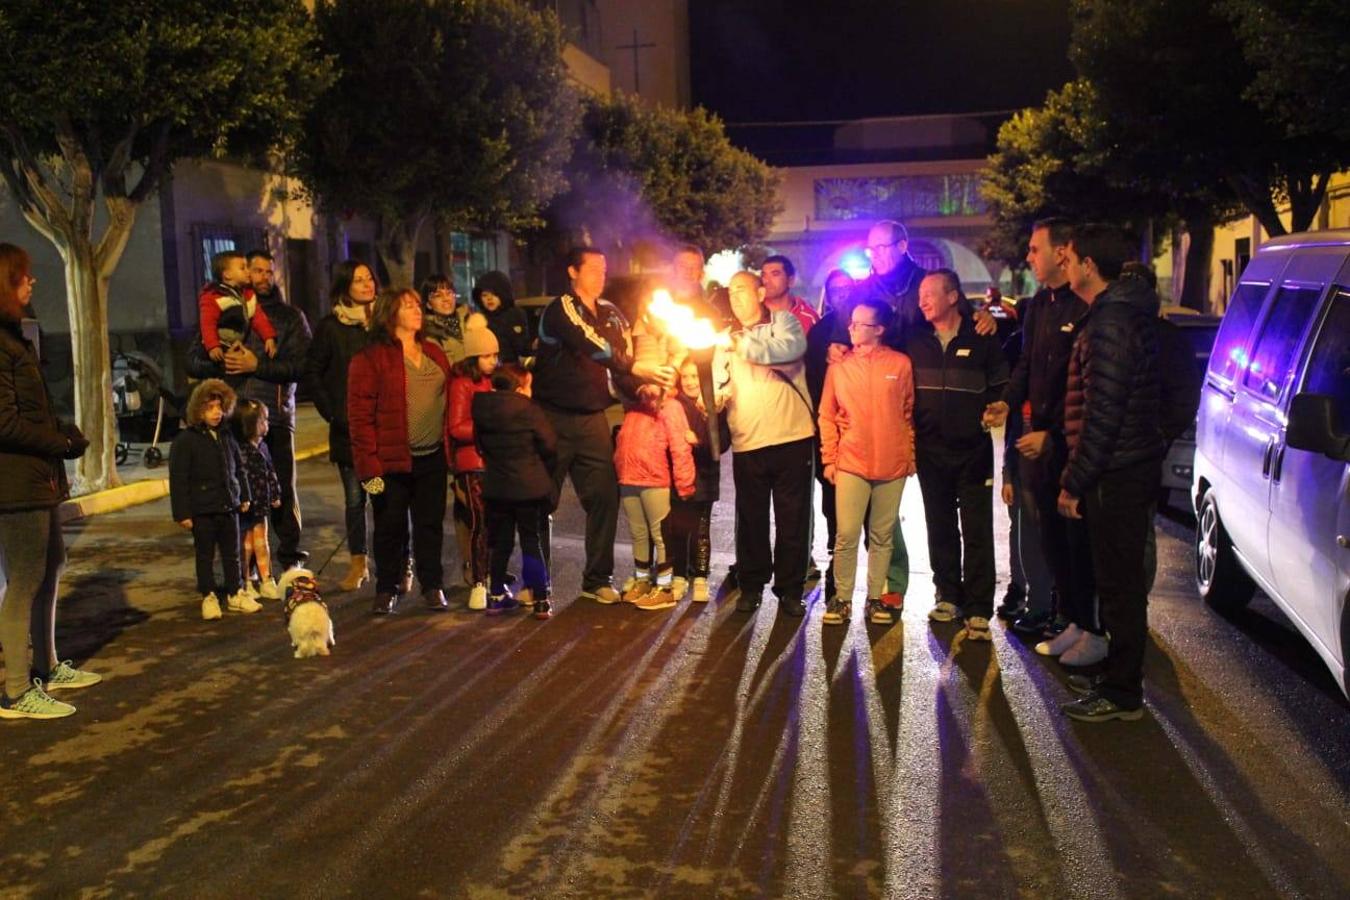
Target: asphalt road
x,y
687,753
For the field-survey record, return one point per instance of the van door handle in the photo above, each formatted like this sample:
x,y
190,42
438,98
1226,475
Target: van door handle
x,y
1278,466
1266,458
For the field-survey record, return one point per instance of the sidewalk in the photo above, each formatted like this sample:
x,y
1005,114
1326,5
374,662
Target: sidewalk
x,y
141,484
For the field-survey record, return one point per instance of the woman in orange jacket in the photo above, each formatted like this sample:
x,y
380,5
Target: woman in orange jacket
x,y
867,449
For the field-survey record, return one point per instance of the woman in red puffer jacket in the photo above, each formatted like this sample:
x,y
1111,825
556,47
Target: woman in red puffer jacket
x,y
400,433
473,375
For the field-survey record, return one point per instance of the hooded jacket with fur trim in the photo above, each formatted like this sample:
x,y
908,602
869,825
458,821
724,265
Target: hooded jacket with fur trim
x,y
205,467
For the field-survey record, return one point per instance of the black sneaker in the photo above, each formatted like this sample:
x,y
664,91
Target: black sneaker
x,y
1082,685
1056,625
542,608
1033,624
1014,602
837,612
732,581
749,600
1096,708
792,606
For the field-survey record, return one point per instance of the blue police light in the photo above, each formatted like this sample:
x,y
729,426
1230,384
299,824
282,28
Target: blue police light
x,y
856,265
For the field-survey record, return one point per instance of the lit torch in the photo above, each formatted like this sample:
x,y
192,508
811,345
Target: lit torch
x,y
701,339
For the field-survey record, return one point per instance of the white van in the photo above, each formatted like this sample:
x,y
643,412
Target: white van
x,y
1271,479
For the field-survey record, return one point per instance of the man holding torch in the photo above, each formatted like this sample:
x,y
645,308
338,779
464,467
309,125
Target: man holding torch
x,y
585,358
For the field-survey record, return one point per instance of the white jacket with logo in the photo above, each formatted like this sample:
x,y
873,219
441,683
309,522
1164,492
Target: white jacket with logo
x,y
769,403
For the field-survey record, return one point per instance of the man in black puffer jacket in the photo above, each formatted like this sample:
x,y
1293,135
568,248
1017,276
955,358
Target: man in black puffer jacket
x,y
1112,423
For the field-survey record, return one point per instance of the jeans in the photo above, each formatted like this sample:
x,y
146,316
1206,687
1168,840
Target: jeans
x,y
880,500
1026,513
506,519
32,555
421,494
355,503
958,488
286,521
586,455
778,476
1118,511
211,533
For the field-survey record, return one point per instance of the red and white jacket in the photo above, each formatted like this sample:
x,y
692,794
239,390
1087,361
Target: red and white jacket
x,y
645,438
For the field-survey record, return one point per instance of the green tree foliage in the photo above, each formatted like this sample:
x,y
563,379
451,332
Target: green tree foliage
x,y
640,170
458,111
1186,102
98,98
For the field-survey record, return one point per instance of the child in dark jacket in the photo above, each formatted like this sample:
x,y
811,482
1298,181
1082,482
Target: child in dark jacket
x,y
250,427
519,448
688,528
208,490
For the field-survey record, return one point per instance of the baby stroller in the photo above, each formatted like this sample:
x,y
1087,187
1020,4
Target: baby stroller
x,y
141,403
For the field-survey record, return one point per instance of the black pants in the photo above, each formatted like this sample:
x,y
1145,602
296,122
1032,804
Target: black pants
x,y
778,476
831,520
1063,541
958,507
586,455
688,537
286,517
212,533
421,494
505,520
1119,514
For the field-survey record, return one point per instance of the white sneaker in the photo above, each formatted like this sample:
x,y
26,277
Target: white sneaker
x,y
268,589
1089,650
679,587
977,629
242,603
700,590
210,607
1060,642
943,611
249,590
478,596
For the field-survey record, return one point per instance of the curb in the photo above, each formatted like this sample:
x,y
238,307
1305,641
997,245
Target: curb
x,y
138,492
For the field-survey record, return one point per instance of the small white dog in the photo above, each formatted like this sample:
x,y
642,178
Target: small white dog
x,y
307,618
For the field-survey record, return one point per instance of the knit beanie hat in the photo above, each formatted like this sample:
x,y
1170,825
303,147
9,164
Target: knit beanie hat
x,y
478,338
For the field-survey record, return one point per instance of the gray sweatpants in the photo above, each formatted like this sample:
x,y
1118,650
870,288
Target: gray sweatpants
x,y
851,496
646,508
32,555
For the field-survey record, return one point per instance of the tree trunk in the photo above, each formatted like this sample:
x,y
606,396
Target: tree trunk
x,y
87,303
1255,194
1194,293
1305,198
397,246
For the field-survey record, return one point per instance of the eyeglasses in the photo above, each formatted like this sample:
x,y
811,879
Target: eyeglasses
x,y
852,325
873,248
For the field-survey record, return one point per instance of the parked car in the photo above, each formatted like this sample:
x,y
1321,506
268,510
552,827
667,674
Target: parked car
x,y
1272,481
1199,331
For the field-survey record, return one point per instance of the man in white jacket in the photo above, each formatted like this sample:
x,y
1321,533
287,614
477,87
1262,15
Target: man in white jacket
x,y
772,426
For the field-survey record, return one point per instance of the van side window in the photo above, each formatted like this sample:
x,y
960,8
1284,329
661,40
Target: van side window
x,y
1229,359
1274,349
1329,364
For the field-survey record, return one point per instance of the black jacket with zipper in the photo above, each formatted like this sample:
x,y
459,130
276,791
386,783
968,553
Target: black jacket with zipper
x,y
32,441
1112,405
330,354
518,445
953,386
206,473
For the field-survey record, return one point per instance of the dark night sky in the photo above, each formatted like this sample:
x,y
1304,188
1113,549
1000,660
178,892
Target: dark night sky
x,y
783,60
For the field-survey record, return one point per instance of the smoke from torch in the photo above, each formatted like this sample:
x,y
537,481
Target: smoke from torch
x,y
701,339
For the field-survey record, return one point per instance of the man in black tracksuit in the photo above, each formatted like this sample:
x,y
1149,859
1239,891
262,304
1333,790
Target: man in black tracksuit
x,y
1113,426
1035,392
271,381
585,358
957,374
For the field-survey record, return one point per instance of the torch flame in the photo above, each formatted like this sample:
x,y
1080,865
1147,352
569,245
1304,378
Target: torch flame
x,y
680,321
